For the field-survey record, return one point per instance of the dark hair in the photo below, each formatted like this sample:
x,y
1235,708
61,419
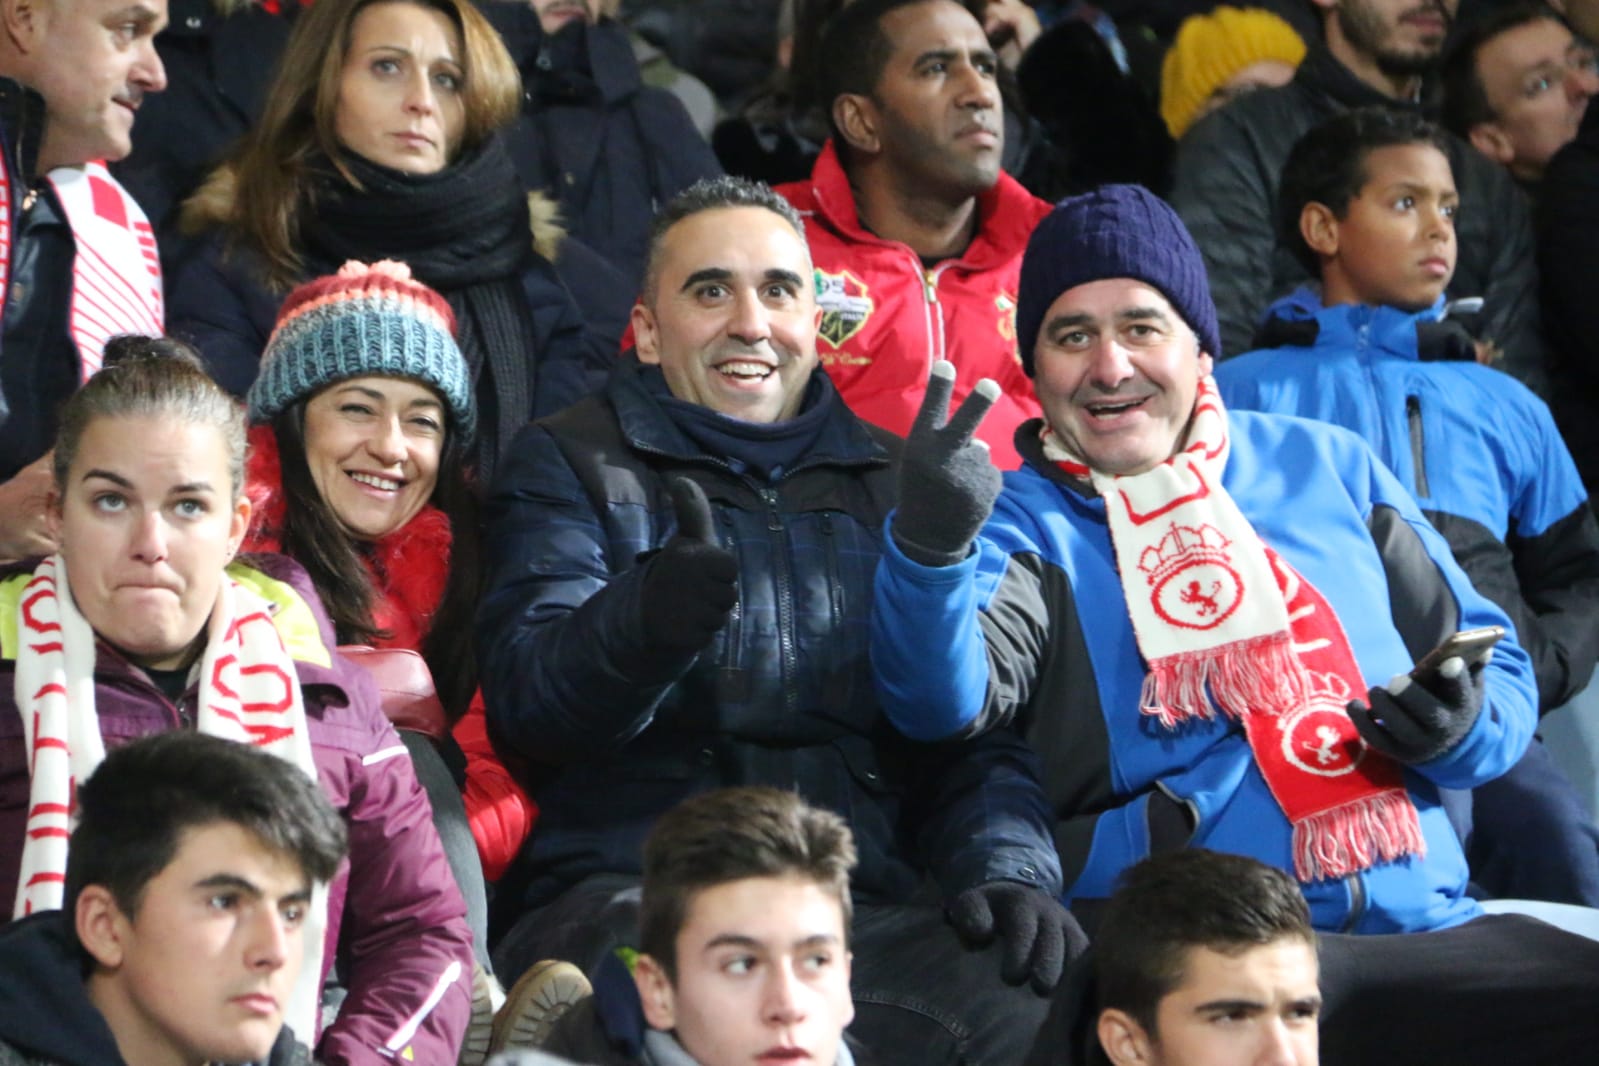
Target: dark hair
x,y
151,377
710,194
1465,102
729,835
134,809
1327,166
1185,899
854,49
313,537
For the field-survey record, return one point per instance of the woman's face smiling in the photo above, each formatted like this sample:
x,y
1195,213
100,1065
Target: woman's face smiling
x,y
400,103
372,445
147,522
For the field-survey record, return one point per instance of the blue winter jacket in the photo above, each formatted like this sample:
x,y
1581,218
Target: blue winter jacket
x,y
614,733
1032,628
1477,449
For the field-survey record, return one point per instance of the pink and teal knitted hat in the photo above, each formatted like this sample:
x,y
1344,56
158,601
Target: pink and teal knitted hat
x,y
366,319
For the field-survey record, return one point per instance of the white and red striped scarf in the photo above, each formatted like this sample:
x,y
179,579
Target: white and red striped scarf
x,y
116,271
249,692
1223,621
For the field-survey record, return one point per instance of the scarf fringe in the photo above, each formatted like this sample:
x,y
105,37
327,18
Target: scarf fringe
x,y
1345,840
1260,675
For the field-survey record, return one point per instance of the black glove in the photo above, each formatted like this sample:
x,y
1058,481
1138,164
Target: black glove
x,y
1037,935
691,584
947,482
1415,720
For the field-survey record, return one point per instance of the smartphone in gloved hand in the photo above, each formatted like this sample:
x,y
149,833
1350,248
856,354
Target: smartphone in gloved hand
x,y
1471,645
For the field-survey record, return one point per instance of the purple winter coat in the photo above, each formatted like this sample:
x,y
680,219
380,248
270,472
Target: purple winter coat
x,y
393,908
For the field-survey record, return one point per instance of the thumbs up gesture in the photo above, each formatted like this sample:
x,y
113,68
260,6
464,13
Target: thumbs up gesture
x,y
691,585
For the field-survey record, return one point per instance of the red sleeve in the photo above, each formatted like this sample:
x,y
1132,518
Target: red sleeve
x,y
500,813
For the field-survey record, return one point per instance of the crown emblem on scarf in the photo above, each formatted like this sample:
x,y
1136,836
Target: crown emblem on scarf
x,y
1190,570
1182,547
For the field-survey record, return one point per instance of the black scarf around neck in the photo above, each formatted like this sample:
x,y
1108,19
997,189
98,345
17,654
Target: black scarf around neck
x,y
466,232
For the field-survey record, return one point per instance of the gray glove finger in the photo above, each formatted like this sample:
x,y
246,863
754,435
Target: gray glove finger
x,y
970,414
1405,719
1448,683
935,402
693,511
972,917
1018,934
1373,732
1049,953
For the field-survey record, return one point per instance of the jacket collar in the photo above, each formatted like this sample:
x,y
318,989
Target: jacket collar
x,y
1006,214
1300,320
1322,75
597,57
843,441
43,1006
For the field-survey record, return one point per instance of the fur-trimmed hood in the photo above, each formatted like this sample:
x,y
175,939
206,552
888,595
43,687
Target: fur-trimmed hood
x,y
409,568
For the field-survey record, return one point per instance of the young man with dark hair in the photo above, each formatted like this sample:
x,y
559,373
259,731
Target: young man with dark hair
x,y
744,929
1376,53
1516,83
1203,957
180,943
916,231
1368,201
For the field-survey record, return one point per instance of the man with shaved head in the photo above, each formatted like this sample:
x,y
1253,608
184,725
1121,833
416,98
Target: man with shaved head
x,y
680,571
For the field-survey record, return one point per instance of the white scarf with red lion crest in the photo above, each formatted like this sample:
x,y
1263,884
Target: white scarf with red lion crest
x,y
1223,621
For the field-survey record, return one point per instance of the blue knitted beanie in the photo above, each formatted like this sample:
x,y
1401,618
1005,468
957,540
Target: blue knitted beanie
x,y
1116,231
365,320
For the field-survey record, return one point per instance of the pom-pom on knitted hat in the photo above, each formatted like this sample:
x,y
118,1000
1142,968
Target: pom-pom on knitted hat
x,y
1116,231
368,319
1210,49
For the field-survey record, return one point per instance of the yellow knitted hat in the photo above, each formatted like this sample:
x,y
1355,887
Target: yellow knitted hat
x,y
1211,48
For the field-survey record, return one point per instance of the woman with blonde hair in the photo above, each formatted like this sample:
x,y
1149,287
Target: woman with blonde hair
x,y
379,141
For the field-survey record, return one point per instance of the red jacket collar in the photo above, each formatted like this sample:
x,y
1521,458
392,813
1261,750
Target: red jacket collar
x,y
1006,213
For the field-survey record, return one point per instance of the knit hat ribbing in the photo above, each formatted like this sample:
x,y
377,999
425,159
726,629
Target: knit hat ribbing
x,y
366,319
1116,231
1211,48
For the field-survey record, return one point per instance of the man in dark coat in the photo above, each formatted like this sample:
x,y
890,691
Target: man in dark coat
x,y
680,576
609,148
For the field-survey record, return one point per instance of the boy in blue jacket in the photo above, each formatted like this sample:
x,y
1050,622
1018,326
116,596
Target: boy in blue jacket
x,y
1368,203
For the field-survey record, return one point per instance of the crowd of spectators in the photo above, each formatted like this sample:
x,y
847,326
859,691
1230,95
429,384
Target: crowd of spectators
x,y
1036,455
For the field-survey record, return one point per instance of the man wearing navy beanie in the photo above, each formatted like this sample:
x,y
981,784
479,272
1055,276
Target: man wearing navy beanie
x,y
1190,613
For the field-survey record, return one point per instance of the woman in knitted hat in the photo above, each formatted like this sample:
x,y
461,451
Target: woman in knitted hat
x,y
378,140
147,621
1221,55
362,417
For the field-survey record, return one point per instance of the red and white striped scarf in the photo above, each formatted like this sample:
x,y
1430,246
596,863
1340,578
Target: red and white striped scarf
x,y
116,271
1223,621
249,692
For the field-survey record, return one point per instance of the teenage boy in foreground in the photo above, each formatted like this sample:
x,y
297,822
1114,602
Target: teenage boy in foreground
x,y
744,924
1205,957
181,937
